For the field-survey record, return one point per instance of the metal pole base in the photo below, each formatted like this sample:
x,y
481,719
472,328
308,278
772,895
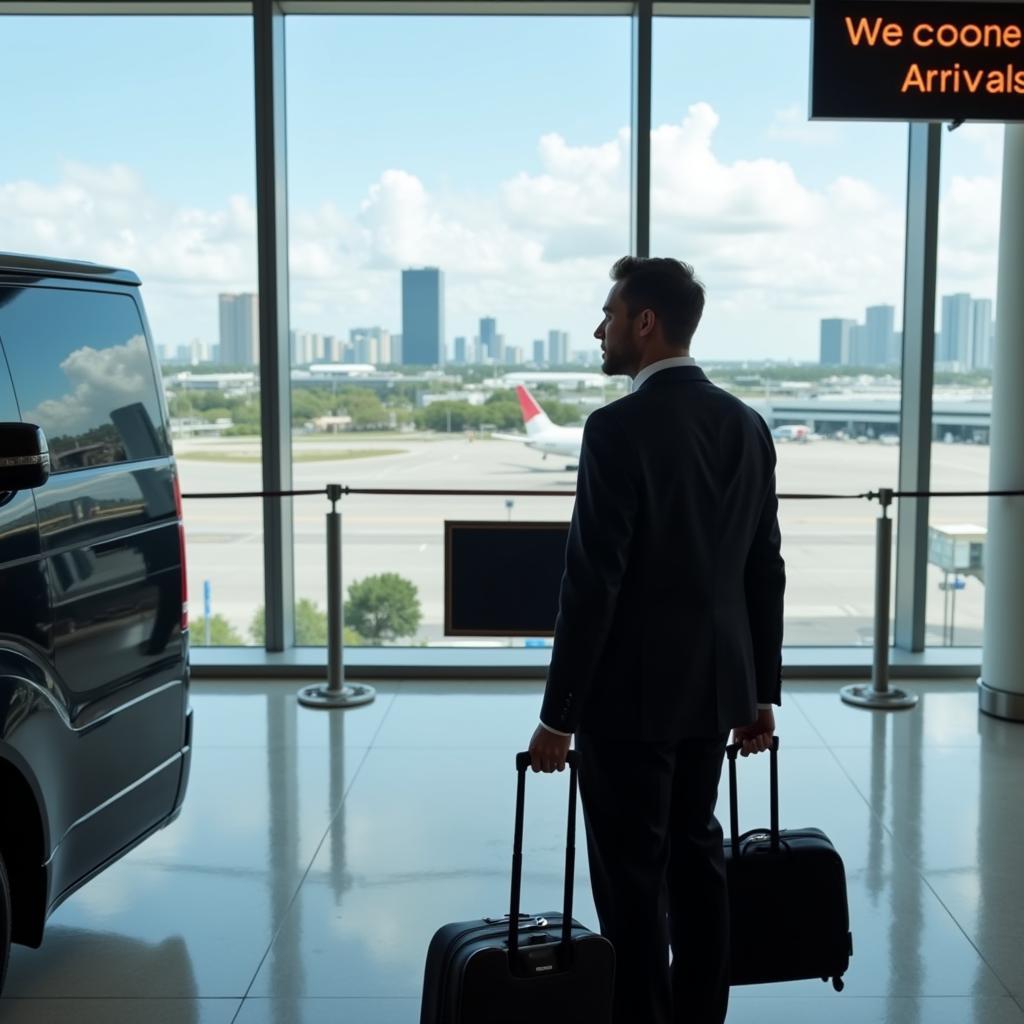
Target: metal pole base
x,y
349,696
863,695
1000,703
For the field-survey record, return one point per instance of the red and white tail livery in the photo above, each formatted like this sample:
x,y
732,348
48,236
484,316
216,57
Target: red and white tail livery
x,y
541,434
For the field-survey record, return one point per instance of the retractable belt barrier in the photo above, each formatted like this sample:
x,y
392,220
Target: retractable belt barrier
x,y
338,694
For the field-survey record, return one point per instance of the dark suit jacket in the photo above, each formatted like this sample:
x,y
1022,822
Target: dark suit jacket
x,y
670,612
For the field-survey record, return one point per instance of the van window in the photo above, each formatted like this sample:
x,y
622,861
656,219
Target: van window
x,y
82,371
8,405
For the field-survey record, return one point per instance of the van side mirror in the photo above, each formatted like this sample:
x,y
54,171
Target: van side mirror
x,y
24,457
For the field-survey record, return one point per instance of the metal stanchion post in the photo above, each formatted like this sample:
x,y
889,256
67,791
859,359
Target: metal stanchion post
x,y
877,694
335,694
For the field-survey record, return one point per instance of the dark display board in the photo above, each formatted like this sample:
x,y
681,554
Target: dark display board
x,y
502,579
917,60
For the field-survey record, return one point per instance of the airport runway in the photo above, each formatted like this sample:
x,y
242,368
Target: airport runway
x,y
828,545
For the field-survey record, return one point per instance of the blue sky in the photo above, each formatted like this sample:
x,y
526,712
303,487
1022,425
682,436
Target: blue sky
x,y
440,123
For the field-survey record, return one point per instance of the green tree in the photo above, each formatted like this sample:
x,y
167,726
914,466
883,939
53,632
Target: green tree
x,y
463,416
503,395
222,633
310,626
365,408
383,607
504,415
562,413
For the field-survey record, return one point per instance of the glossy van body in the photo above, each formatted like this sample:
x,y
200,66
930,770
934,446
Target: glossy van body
x,y
95,724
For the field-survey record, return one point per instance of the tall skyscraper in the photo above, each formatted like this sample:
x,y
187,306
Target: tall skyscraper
x,y
423,317
538,351
954,349
239,329
558,348
879,335
859,355
835,346
983,334
488,338
460,350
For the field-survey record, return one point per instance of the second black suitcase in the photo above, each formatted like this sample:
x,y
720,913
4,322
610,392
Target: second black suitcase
x,y
789,917
518,969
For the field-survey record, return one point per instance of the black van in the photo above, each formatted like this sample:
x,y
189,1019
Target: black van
x,y
95,726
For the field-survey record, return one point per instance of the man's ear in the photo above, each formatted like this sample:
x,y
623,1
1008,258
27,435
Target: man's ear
x,y
647,321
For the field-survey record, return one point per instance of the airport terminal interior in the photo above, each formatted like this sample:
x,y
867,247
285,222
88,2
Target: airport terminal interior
x,y
374,241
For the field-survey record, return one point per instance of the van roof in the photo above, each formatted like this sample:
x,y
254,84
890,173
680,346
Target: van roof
x,y
45,266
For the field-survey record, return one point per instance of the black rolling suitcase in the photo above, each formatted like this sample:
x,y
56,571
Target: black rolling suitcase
x,y
520,969
793,879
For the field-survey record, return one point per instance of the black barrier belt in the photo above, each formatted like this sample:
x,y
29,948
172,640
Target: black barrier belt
x,y
955,494
323,491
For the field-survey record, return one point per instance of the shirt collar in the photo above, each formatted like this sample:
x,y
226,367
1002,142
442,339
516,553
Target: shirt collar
x,y
662,364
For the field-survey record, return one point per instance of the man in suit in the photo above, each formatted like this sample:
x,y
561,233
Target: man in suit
x,y
669,634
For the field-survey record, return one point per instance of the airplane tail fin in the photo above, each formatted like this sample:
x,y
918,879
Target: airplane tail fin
x,y
534,418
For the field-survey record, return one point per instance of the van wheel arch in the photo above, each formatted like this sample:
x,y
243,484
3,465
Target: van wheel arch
x,y
22,849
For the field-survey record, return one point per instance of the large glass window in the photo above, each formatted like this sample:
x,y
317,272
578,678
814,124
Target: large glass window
x,y
135,149
458,190
796,229
970,189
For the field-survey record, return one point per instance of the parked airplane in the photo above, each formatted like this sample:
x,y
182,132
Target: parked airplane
x,y
541,434
792,432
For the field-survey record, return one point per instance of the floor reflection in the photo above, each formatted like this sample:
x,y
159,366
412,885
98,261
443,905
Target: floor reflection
x,y
318,851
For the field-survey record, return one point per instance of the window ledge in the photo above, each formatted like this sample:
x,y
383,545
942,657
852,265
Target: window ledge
x,y
531,663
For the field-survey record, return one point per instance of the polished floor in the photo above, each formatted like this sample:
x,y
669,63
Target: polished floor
x,y
318,851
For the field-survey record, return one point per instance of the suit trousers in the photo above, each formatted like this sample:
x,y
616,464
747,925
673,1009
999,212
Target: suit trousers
x,y
657,869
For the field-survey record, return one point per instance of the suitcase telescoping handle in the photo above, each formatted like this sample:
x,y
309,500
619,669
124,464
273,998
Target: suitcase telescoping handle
x,y
734,814
522,763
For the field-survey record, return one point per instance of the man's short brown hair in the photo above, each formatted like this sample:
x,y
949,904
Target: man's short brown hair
x,y
665,286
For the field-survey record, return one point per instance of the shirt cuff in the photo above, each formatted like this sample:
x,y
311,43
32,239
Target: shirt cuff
x,y
555,731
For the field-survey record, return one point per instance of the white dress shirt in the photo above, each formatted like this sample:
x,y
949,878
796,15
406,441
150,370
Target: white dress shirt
x,y
645,374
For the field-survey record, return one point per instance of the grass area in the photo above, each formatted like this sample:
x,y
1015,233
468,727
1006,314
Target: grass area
x,y
333,456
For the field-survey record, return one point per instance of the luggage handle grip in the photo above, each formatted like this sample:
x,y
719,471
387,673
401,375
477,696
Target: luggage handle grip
x,y
523,761
732,750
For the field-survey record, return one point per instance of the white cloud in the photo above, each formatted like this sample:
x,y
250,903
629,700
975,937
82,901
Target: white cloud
x,y
969,235
104,379
775,252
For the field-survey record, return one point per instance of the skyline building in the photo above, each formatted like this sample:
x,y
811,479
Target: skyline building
x,y
983,334
835,345
967,339
538,351
306,346
460,350
370,345
876,342
953,348
488,338
423,317
558,347
879,336
239,328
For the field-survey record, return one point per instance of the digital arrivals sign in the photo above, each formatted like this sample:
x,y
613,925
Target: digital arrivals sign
x,y
918,60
